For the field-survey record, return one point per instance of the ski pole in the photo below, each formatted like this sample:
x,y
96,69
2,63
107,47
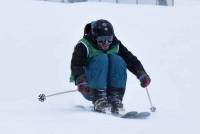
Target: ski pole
x,y
153,108
42,97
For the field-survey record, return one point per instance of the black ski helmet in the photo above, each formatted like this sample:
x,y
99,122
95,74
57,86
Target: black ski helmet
x,y
101,28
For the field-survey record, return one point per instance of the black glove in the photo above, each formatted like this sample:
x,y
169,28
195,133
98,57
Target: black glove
x,y
145,80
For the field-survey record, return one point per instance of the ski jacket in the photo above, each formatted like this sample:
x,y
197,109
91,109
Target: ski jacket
x,y
80,57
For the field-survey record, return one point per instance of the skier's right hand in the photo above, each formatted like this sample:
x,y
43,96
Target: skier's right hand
x,y
82,85
83,88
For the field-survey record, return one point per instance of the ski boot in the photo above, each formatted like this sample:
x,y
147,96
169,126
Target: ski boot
x,y
116,106
115,100
100,101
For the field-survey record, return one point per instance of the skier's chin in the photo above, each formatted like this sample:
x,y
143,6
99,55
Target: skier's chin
x,y
104,47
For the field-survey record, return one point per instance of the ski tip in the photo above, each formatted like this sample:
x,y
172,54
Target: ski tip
x,y
129,114
136,115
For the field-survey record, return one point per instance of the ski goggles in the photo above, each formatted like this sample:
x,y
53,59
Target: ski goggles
x,y
104,40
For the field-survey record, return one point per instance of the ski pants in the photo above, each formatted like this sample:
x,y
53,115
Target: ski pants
x,y
106,71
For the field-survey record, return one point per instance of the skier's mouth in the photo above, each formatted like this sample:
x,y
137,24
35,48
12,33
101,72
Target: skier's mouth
x,y
104,47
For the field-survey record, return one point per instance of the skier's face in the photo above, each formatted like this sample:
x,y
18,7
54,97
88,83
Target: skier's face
x,y
104,47
104,42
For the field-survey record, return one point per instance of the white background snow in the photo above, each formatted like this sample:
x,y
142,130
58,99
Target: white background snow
x,y
37,40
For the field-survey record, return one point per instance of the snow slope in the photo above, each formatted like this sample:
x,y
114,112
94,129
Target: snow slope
x,y
36,42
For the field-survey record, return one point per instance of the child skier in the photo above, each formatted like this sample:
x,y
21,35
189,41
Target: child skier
x,y
99,63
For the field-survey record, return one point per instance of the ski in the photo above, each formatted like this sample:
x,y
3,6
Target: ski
x,y
126,115
135,115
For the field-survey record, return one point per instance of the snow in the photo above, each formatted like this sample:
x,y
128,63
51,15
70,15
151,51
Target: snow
x,y
36,42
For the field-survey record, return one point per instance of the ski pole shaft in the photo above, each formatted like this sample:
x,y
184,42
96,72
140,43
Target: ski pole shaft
x,y
149,97
42,97
61,93
153,109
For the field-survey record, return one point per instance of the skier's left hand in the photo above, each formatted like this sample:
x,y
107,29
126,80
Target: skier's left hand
x,y
145,80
